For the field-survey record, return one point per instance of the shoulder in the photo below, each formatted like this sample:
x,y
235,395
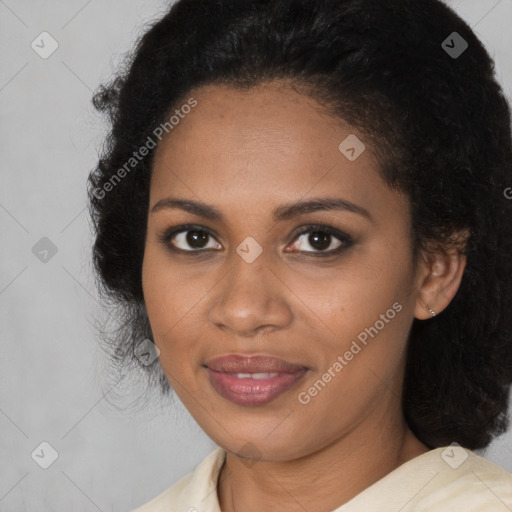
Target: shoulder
x,y
195,491
446,479
466,479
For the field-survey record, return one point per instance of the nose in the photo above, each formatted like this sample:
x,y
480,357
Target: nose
x,y
252,299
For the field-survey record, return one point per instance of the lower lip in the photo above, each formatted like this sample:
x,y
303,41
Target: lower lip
x,y
252,392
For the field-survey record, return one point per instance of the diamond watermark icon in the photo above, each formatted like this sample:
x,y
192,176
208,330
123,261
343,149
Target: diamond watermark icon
x,y
44,455
249,249
454,455
44,250
352,147
147,352
250,454
44,45
454,45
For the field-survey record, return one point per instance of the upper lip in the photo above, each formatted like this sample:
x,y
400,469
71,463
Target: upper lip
x,y
234,363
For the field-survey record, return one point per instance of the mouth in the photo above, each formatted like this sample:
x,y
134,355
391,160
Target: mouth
x,y
252,381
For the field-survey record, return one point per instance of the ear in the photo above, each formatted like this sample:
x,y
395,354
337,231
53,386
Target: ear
x,y
439,276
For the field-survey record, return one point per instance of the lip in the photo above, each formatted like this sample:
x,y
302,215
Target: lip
x,y
248,391
235,363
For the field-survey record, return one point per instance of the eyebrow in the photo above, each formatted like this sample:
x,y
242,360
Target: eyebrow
x,y
284,212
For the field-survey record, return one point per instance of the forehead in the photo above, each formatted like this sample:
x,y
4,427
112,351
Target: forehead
x,y
270,114
259,147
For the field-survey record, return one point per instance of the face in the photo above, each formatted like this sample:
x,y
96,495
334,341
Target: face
x,y
329,291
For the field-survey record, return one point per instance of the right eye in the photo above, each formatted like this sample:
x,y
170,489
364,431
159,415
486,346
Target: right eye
x,y
194,237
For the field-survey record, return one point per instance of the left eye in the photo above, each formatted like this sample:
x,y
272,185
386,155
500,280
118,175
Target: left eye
x,y
320,239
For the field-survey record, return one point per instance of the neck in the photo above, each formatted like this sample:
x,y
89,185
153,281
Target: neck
x,y
320,481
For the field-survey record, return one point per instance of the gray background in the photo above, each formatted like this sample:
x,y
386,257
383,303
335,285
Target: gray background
x,y
52,384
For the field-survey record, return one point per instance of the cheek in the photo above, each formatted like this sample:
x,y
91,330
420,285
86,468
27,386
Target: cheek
x,y
152,287
362,314
174,307
165,288
353,296
159,288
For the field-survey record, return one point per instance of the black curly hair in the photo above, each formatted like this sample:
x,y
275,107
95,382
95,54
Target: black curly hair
x,y
438,121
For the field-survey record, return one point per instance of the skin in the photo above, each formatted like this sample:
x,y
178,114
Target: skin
x,y
246,153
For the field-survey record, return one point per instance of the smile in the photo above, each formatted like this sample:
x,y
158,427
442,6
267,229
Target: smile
x,y
253,389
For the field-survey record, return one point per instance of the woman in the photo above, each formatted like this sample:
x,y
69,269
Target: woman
x,y
303,205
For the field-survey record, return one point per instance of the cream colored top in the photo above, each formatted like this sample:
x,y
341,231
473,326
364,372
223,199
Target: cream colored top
x,y
449,479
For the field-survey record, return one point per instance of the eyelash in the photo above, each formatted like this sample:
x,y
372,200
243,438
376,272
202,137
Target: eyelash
x,y
346,240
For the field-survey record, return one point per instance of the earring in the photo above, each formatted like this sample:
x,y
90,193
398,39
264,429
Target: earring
x,y
432,312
